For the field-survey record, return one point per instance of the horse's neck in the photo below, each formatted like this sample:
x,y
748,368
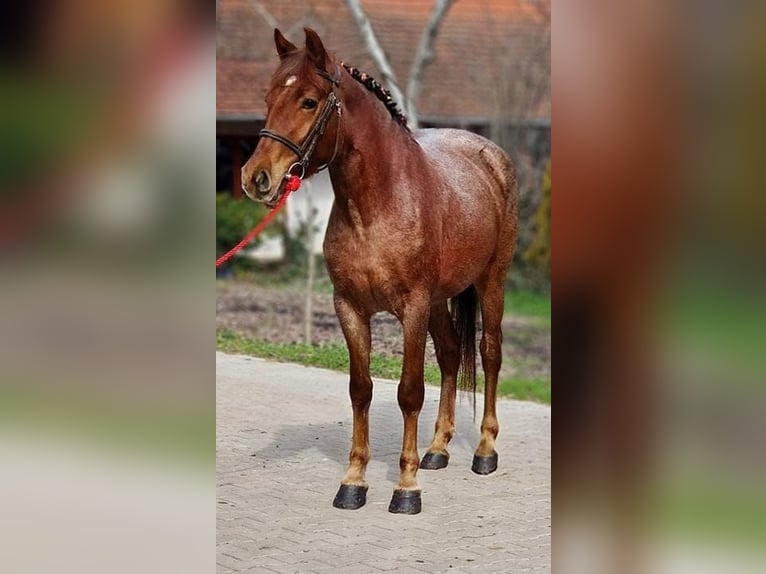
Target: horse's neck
x,y
373,152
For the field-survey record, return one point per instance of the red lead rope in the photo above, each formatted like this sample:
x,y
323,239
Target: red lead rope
x,y
292,184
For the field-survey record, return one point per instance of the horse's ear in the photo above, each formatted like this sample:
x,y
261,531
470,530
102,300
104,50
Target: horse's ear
x,y
284,46
315,49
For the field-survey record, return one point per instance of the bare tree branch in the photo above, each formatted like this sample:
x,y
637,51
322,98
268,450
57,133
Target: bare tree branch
x,y
375,50
272,22
423,56
264,13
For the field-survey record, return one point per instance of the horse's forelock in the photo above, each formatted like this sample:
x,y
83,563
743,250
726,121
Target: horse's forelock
x,y
300,66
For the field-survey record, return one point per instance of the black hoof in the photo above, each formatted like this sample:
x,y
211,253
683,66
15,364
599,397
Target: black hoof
x,y
350,497
484,464
434,461
405,502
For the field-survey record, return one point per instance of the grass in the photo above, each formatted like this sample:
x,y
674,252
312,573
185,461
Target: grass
x,y
335,357
537,390
528,304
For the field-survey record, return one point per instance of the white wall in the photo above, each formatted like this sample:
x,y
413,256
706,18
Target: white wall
x,y
321,192
270,249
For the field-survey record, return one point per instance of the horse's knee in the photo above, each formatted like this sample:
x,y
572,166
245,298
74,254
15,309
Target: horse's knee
x,y
360,391
410,397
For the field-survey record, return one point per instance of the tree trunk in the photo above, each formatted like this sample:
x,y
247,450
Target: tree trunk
x,y
376,51
423,56
311,273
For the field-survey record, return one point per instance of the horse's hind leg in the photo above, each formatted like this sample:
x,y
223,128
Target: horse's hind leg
x,y
492,299
448,354
356,329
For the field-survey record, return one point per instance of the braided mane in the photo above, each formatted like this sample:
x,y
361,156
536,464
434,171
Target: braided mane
x,y
380,92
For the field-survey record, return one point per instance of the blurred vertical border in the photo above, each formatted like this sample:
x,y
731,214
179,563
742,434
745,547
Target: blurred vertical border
x,y
658,287
107,373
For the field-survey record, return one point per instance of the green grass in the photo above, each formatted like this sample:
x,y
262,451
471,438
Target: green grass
x,y
529,304
537,390
335,357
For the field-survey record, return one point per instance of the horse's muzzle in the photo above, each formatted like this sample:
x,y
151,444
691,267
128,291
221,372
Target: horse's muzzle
x,y
256,186
263,182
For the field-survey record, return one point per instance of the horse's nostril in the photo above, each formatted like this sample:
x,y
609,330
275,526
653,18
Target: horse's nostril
x,y
263,181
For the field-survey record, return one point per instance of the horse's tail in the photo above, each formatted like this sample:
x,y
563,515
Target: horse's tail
x,y
464,307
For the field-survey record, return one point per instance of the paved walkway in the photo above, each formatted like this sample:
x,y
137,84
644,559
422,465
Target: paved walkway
x,y
283,434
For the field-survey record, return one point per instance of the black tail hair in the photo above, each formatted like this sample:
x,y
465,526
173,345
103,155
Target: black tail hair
x,y
464,307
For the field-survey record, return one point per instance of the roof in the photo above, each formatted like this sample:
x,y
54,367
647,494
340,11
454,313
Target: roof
x,y
491,58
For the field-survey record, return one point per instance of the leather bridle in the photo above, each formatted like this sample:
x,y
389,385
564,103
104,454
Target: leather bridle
x,y
306,149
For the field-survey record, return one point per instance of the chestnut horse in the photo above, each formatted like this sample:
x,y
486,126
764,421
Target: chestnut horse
x,y
418,219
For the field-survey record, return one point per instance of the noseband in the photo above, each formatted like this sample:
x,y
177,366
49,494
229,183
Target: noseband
x,y
306,149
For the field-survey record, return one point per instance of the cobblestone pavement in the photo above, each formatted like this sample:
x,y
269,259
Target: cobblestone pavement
x,y
283,434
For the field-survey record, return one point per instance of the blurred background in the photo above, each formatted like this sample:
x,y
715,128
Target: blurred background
x,y
106,339
480,65
658,287
107,174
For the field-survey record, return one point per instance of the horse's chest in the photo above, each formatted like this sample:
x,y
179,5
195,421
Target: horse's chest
x,y
361,268
374,272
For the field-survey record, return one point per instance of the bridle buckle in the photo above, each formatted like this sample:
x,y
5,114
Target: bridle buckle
x,y
299,164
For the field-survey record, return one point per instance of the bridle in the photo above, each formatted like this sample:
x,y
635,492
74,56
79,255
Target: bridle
x,y
306,149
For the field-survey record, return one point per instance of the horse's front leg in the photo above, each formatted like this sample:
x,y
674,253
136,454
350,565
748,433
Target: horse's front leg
x,y
414,318
356,329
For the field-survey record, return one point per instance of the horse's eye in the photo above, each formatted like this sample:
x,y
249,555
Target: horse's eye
x,y
309,104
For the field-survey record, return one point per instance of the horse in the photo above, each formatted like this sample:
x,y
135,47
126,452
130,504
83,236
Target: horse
x,y
419,219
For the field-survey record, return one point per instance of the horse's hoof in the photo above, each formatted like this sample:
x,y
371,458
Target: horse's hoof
x,y
405,502
434,461
350,497
484,464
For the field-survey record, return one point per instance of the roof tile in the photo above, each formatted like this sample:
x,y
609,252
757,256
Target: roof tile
x,y
492,57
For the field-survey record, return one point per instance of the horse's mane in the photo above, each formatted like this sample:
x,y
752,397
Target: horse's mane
x,y
380,92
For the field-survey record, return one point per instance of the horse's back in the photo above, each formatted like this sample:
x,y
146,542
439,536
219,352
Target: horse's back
x,y
464,155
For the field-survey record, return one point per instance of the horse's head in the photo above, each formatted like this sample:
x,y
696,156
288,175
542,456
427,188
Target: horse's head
x,y
300,104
